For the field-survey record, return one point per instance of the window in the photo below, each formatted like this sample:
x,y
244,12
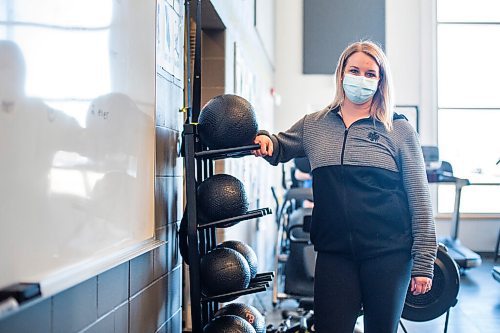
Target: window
x,y
468,45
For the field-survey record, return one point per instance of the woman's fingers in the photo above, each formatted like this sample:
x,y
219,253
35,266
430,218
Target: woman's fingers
x,y
412,285
256,152
419,289
265,146
270,148
420,285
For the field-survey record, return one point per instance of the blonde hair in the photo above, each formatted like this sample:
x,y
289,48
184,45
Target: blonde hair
x,y
382,103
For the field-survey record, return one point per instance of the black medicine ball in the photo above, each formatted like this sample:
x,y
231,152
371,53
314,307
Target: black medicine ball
x,y
246,251
222,271
220,197
228,324
227,121
247,312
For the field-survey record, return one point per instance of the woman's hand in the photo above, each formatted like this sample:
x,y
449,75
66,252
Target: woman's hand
x,y
266,146
420,285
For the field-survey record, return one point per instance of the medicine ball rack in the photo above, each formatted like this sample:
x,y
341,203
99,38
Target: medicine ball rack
x,y
199,165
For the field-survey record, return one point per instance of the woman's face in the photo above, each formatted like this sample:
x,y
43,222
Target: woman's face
x,y
361,64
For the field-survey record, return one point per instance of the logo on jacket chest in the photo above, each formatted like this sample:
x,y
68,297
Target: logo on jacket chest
x,y
373,136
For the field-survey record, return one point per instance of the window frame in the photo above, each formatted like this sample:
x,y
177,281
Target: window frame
x,y
440,215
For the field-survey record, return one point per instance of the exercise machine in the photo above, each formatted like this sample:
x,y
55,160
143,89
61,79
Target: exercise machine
x,y
295,257
441,172
442,296
294,254
300,321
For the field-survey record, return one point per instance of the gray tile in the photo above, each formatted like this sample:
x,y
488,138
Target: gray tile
x,y
104,325
141,272
163,75
178,6
174,258
178,82
162,97
161,233
173,118
168,200
163,329
167,149
160,254
174,104
34,319
75,308
174,292
147,308
177,211
121,318
167,257
174,324
112,288
168,103
164,83
161,184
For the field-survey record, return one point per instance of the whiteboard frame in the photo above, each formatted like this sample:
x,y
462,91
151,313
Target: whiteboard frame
x,y
80,271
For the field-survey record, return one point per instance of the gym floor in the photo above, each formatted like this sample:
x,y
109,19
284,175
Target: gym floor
x,y
477,310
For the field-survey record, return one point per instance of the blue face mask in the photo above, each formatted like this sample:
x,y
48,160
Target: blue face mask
x,y
359,89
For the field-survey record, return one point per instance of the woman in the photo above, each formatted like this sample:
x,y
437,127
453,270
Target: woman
x,y
372,219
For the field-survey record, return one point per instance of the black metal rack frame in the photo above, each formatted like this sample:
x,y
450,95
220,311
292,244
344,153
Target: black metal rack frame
x,y
199,165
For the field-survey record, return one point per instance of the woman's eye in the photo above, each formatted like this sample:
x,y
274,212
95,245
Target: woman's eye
x,y
353,71
371,75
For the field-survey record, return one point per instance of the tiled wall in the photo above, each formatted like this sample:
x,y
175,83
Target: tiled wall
x,y
144,294
141,295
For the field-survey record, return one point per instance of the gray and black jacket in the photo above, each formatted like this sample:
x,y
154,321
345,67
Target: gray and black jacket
x,y
370,188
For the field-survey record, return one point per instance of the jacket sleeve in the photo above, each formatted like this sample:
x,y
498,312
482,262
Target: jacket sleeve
x,y
417,190
288,144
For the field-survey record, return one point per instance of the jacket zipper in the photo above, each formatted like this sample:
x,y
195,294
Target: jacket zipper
x,y
344,189
343,147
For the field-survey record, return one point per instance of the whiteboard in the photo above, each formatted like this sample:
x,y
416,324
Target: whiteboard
x,y
77,101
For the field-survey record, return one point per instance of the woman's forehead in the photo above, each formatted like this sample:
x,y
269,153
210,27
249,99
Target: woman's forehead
x,y
362,59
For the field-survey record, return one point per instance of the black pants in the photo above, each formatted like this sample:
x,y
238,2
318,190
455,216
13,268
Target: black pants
x,y
342,285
